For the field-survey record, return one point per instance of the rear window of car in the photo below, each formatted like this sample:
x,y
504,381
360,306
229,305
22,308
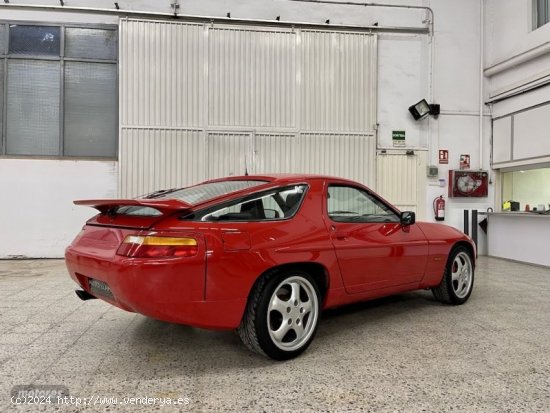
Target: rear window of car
x,y
280,203
205,192
191,195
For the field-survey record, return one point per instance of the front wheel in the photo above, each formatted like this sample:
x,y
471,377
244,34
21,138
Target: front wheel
x,y
282,315
458,280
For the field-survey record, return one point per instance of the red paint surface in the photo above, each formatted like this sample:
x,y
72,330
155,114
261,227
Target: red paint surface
x,y
210,290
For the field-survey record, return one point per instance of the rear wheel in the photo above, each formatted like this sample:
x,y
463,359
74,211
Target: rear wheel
x,y
282,315
458,280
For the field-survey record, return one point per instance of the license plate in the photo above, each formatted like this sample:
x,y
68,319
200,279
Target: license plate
x,y
100,288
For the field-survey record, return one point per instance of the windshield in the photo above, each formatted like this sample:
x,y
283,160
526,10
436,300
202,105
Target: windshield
x,y
205,192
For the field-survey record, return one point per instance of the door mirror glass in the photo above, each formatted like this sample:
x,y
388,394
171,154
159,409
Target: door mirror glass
x,y
408,218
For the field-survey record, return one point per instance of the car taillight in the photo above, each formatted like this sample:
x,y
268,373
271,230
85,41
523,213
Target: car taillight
x,y
137,246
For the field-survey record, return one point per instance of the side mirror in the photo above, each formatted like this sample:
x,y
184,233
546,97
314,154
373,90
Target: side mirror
x,y
407,218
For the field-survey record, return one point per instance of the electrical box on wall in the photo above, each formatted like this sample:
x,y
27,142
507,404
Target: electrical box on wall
x,y
468,183
432,171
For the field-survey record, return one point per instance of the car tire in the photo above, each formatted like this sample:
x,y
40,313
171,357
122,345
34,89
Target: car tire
x,y
458,280
282,315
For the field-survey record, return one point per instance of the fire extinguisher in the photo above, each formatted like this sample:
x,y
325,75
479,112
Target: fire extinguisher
x,y
439,208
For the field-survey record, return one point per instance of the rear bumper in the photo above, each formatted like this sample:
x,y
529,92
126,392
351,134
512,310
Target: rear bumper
x,y
170,290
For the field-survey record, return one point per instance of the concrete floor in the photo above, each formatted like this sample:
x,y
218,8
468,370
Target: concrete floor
x,y
407,353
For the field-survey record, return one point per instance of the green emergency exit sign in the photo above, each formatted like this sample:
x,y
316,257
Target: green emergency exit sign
x,y
398,137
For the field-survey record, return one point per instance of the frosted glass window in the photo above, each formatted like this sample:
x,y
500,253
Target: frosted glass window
x,y
58,91
3,39
33,91
90,109
36,40
91,43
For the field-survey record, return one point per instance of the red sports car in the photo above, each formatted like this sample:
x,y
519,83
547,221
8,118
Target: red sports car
x,y
263,255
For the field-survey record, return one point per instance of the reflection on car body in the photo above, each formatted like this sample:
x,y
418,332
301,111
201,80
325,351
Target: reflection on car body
x,y
263,255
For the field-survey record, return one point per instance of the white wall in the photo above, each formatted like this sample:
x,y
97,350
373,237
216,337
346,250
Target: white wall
x,y
508,35
456,88
509,40
37,214
403,80
404,76
7,13
404,65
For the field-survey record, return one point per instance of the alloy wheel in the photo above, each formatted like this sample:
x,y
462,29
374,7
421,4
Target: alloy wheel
x,y
292,313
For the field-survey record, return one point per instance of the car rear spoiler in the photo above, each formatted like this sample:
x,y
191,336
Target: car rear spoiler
x,y
165,206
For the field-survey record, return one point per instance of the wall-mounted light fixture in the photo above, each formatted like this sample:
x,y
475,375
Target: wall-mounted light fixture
x,y
423,109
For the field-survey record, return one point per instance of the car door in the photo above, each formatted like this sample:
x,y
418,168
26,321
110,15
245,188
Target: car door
x,y
373,248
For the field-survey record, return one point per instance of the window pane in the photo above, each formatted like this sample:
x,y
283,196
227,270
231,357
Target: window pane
x,y
541,12
91,43
274,205
205,192
3,39
33,108
346,204
40,40
90,109
526,190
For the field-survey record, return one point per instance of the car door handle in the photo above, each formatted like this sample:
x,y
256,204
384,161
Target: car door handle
x,y
339,235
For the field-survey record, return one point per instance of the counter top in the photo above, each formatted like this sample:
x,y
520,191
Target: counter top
x,y
518,214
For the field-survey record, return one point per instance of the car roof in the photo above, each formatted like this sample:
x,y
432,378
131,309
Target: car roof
x,y
279,178
269,181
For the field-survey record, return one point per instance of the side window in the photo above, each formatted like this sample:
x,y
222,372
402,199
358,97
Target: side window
x,y
349,204
279,204
541,13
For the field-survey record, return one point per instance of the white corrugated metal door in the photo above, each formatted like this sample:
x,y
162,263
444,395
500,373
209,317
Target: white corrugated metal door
x,y
201,101
401,179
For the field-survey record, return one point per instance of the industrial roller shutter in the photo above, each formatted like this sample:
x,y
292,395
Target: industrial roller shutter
x,y
201,101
